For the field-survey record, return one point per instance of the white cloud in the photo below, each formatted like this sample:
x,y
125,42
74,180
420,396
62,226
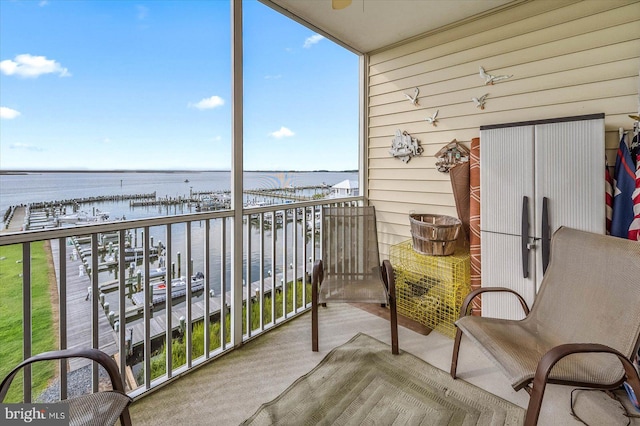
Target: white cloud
x,y
25,147
282,133
273,77
208,103
43,3
106,140
26,65
8,113
310,41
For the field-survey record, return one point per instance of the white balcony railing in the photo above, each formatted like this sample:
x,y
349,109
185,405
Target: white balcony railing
x,y
121,287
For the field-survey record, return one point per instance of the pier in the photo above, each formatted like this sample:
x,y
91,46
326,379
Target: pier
x,y
79,311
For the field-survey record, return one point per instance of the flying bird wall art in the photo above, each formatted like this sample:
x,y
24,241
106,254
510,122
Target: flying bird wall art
x,y
490,79
414,99
480,101
433,120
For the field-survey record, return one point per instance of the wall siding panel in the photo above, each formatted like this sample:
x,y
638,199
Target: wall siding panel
x,y
567,58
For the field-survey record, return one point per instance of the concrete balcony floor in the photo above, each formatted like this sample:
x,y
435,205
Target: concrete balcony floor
x,y
231,388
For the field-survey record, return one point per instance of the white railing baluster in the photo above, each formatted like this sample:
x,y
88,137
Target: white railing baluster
x,y
261,270
223,284
147,310
122,313
95,292
26,319
62,312
188,302
207,287
168,305
273,267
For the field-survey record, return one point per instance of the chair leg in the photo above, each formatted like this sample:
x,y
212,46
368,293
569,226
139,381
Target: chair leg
x,y
456,351
314,317
394,326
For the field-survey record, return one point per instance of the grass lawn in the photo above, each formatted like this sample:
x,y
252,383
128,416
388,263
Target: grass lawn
x,y
43,333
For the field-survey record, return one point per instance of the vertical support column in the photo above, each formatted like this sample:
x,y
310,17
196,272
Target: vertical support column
x,y
363,162
236,171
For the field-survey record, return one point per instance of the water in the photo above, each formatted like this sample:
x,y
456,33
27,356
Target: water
x,y
51,186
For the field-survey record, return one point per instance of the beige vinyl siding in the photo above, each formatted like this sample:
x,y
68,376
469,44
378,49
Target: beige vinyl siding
x,y
567,58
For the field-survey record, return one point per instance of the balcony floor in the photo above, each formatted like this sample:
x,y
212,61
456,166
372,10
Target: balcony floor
x,y
232,388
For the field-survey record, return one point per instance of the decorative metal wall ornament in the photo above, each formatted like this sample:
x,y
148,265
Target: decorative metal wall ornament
x,y
404,146
451,154
414,99
433,120
480,101
490,79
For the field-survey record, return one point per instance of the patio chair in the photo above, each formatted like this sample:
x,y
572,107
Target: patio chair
x,y
350,269
101,408
583,328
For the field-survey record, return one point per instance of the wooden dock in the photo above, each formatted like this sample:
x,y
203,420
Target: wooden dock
x,y
16,222
79,311
158,321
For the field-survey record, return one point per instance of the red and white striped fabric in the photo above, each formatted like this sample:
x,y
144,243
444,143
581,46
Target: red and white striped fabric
x,y
608,189
634,228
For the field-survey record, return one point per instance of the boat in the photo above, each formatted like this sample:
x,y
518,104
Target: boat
x,y
178,286
186,181
154,273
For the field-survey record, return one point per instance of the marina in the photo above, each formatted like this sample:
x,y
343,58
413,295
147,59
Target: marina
x,y
268,264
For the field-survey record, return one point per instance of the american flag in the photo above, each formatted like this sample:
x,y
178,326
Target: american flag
x,y
624,186
608,189
634,228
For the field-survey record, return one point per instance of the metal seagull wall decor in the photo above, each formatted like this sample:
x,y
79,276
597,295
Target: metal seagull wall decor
x,y
433,120
480,101
414,99
490,79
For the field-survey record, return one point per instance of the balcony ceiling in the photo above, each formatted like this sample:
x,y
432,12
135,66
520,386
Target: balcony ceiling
x,y
369,25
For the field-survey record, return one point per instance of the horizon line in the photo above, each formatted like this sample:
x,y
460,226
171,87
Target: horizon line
x,y
15,171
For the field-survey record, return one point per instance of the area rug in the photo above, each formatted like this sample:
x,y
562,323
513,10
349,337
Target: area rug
x,y
361,382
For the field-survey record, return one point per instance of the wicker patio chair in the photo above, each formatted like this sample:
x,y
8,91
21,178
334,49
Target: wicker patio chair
x,y
95,409
350,269
583,329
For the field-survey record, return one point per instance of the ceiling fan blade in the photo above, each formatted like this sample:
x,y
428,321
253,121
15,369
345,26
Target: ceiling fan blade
x,y
340,4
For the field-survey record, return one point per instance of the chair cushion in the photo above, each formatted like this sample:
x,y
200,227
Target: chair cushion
x,y
342,289
516,347
96,409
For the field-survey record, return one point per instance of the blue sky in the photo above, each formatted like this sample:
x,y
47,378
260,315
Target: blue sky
x,y
121,84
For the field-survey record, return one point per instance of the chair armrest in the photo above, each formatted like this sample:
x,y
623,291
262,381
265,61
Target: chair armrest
x,y
554,355
475,293
389,277
93,354
317,273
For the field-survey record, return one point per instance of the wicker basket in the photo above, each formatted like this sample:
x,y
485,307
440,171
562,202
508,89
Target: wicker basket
x,y
434,235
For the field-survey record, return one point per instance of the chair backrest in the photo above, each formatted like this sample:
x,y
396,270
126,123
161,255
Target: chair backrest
x,y
350,243
591,291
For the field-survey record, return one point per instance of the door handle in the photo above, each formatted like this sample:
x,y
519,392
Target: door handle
x,y
546,234
524,235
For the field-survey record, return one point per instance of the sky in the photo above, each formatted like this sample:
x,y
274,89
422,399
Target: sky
x,y
146,85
